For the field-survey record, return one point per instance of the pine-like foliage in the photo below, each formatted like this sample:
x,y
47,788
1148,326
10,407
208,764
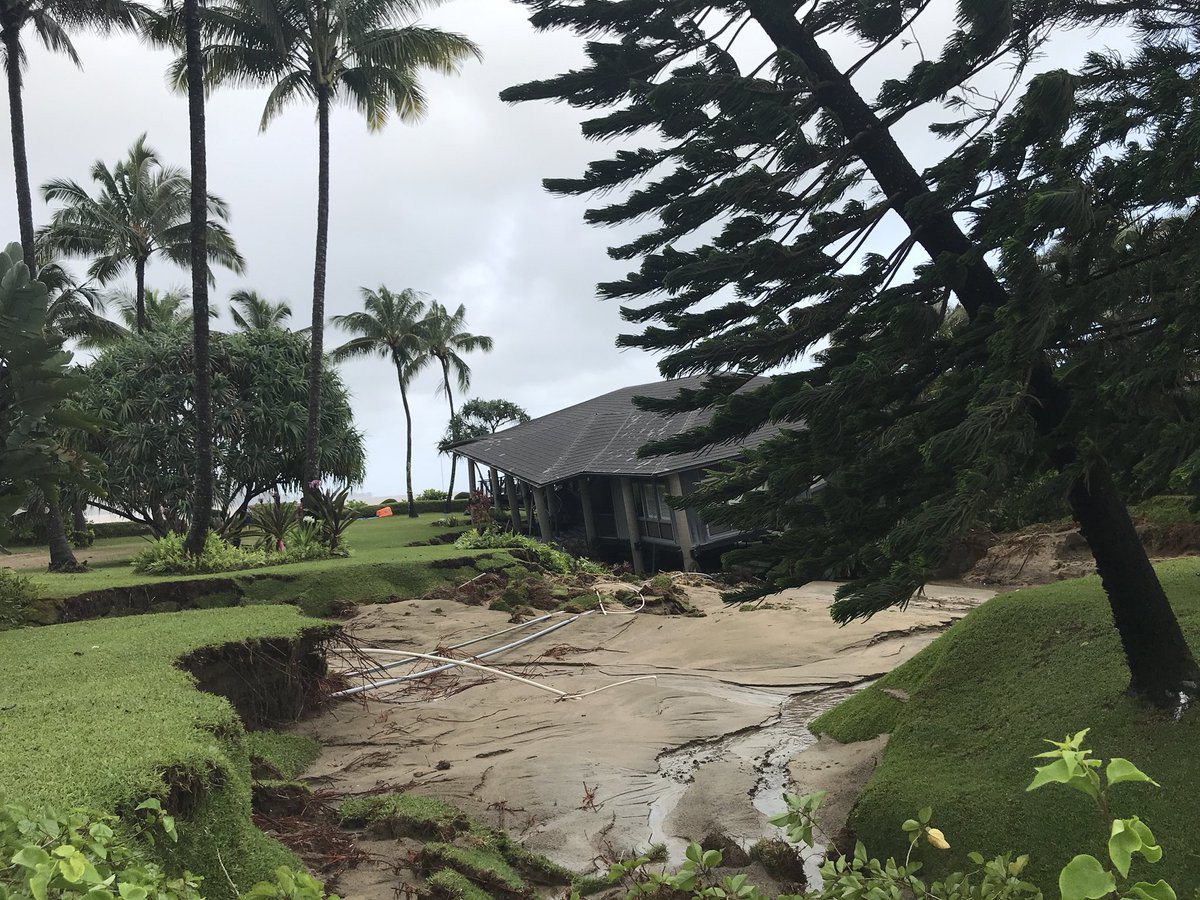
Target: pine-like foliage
x,y
1009,302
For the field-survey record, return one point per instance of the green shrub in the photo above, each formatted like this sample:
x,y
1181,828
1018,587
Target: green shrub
x,y
432,494
92,855
17,593
548,557
167,556
118,529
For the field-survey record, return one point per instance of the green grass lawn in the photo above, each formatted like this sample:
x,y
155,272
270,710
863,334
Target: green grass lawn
x,y
381,566
98,714
1034,664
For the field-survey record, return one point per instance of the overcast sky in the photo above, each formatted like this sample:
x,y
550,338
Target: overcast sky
x,y
452,206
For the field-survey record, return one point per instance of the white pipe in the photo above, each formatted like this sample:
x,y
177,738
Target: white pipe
x,y
451,664
386,666
455,662
607,686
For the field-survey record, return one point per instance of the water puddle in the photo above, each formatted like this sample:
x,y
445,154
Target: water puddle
x,y
767,749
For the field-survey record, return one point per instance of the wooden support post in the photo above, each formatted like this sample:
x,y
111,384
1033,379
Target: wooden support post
x,y
514,505
494,477
589,521
470,477
683,534
542,502
526,495
631,523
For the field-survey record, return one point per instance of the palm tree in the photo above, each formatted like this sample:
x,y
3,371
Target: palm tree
x,y
445,338
390,327
51,20
254,312
74,312
162,311
143,210
368,54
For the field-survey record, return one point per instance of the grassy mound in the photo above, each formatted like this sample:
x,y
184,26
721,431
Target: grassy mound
x,y
460,857
967,713
99,714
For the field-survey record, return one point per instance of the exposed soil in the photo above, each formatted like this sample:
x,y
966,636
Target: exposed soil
x,y
268,682
700,750
1045,554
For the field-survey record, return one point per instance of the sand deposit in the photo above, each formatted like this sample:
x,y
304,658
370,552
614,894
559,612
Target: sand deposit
x,y
706,746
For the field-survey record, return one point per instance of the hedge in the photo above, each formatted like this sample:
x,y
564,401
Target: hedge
x,y
423,506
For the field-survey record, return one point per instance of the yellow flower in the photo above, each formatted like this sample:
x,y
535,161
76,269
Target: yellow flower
x,y
936,838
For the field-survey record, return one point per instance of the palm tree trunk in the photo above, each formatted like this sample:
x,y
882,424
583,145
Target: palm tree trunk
x,y
412,503
453,458
202,497
16,113
1162,668
62,557
312,469
139,273
78,512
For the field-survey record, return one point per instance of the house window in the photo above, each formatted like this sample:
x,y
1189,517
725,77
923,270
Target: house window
x,y
655,518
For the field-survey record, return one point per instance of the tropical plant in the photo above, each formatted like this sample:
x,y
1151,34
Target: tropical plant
x,y
142,211
331,512
170,555
369,55
272,524
143,387
785,217
388,327
51,21
36,390
445,339
252,311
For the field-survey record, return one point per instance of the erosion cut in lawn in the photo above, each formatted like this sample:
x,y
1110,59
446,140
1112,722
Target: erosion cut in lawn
x,y
967,714
390,558
106,714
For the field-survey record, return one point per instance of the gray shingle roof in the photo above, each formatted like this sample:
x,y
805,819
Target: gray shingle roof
x,y
601,437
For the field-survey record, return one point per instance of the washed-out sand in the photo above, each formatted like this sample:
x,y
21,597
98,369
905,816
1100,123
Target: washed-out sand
x,y
707,746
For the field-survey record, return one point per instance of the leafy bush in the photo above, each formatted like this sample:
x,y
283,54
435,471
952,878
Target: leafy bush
x,y
16,593
167,556
548,557
432,494
89,854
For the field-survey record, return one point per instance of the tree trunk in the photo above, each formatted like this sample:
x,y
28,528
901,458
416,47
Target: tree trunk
x,y
453,458
62,557
412,503
16,113
312,439
78,512
139,274
1162,667
202,495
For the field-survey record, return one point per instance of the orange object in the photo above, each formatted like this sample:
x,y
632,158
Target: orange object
x,y
383,512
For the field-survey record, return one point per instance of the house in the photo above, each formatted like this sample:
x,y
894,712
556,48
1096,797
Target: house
x,y
580,466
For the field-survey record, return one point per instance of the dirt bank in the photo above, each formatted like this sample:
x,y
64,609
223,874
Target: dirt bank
x,y
1045,554
704,746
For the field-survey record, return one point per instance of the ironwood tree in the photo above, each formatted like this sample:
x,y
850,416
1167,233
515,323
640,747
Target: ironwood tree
x,y
1007,298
